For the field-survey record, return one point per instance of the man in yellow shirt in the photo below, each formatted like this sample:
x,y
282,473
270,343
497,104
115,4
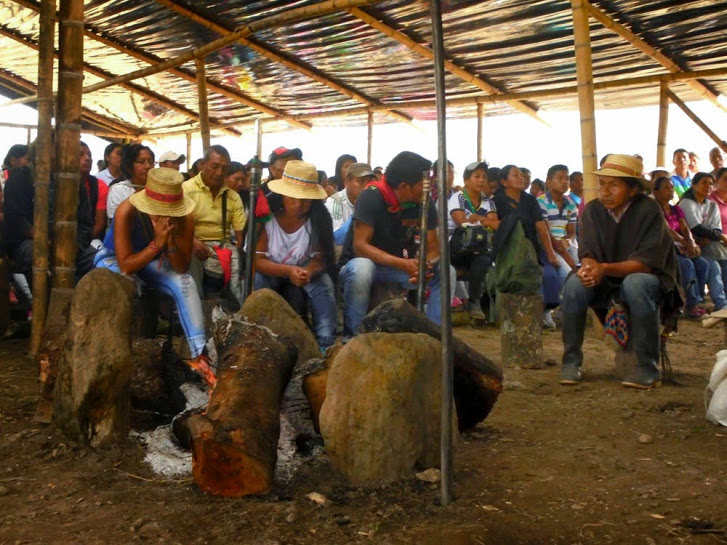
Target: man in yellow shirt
x,y
218,211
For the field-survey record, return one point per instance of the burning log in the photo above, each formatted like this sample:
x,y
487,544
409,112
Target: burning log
x,y
477,379
315,382
234,444
92,390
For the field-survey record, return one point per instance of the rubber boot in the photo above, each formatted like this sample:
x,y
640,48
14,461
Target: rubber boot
x,y
574,327
644,337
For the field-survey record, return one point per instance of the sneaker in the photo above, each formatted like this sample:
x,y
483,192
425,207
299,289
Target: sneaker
x,y
548,322
457,303
570,375
695,313
475,310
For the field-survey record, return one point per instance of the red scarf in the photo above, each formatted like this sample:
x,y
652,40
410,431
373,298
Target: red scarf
x,y
387,193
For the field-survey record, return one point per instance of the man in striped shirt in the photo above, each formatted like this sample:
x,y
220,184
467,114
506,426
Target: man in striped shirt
x,y
561,213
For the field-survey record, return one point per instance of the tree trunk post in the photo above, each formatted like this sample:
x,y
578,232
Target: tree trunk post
x,y
663,124
68,123
370,141
43,168
586,105
480,108
189,151
521,330
204,116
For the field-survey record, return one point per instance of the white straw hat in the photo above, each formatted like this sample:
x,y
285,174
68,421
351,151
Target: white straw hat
x,y
163,194
300,181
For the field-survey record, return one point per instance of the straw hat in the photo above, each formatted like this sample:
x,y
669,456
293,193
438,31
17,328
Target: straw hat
x,y
623,166
163,195
300,181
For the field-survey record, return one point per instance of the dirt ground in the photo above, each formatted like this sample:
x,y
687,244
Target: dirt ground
x,y
550,465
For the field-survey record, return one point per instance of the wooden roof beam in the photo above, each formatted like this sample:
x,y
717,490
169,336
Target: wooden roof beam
x,y
651,52
288,60
232,94
122,129
450,66
99,73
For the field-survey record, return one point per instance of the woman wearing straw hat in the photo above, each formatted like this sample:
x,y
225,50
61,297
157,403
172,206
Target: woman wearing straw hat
x,y
295,250
627,256
151,237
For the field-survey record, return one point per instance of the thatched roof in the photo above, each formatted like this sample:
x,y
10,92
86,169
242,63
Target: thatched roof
x,y
369,58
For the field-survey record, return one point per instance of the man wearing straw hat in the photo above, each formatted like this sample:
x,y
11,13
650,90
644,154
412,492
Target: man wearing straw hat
x,y
627,258
376,248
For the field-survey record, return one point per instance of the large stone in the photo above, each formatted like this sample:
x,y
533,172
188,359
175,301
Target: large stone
x,y
267,308
521,330
381,417
92,390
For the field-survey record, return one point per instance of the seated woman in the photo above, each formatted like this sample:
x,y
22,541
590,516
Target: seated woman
x,y
688,253
511,198
136,162
151,238
626,255
719,196
470,205
703,218
295,249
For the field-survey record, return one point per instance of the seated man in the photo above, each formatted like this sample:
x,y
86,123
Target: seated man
x,y
378,245
340,205
626,254
218,209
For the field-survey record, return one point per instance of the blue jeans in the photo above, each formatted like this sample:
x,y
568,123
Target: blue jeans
x,y
723,267
709,271
359,275
180,286
639,292
553,280
689,278
322,295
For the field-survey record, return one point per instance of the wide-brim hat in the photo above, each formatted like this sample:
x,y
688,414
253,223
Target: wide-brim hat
x,y
623,166
299,181
163,194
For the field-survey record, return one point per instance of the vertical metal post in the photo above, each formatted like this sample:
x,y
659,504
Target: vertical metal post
x,y
370,140
445,301
586,106
480,109
256,172
663,123
423,228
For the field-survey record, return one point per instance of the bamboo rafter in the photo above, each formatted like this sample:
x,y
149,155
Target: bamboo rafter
x,y
120,129
103,74
449,65
701,124
284,59
651,51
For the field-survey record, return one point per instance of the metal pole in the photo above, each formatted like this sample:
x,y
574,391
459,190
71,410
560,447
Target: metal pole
x,y
256,172
445,301
424,227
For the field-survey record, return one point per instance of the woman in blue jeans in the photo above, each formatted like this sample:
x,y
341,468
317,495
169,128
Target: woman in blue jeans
x,y
151,238
294,252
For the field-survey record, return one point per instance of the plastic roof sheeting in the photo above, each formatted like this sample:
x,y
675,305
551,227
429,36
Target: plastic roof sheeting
x,y
514,45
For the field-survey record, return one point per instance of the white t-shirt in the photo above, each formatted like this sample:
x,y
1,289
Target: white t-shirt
x,y
105,176
118,193
458,201
289,248
340,208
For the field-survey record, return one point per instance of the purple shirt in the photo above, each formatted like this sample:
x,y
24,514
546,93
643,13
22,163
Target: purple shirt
x,y
674,217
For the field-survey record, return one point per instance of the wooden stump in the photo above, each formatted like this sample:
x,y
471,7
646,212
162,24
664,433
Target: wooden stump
x,y
234,444
267,308
315,382
52,344
91,402
381,417
477,379
521,330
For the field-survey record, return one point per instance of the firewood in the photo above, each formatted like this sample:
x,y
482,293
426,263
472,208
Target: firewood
x,y
234,444
477,379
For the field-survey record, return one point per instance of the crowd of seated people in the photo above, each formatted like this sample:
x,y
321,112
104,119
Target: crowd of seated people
x,y
323,242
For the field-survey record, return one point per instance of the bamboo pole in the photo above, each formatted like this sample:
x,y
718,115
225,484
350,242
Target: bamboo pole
x,y
70,83
370,140
189,151
480,108
652,52
288,60
586,105
450,66
204,118
701,124
43,167
663,123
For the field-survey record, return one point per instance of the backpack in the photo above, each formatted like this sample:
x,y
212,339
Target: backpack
x,y
516,264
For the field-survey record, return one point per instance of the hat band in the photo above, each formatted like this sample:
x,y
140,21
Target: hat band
x,y
621,168
163,197
299,181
